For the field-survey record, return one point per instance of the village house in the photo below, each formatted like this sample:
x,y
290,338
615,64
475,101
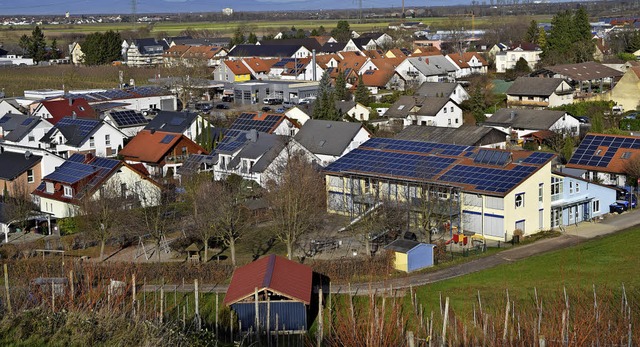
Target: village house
x,y
84,176
71,135
330,140
521,122
539,93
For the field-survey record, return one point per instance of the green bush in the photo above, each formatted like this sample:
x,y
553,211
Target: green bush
x,y
68,226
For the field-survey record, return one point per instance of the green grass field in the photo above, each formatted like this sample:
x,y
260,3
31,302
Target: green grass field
x,y
605,263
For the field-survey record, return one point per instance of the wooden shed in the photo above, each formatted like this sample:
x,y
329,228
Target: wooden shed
x,y
280,289
411,255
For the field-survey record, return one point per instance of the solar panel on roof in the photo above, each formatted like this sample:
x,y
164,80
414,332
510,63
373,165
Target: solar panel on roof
x,y
176,121
589,151
168,138
27,121
71,172
491,157
128,118
83,126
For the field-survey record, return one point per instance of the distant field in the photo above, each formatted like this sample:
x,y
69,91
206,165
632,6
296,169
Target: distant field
x,y
226,28
15,80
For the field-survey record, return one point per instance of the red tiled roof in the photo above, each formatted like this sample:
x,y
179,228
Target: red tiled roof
x,y
275,273
67,108
464,59
152,147
237,67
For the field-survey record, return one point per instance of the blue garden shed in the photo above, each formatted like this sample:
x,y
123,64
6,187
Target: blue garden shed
x,y
411,255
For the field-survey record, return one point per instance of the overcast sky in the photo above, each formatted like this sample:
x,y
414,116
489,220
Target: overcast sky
x,y
10,7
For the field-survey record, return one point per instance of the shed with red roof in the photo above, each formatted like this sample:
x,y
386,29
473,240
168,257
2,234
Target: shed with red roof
x,y
283,288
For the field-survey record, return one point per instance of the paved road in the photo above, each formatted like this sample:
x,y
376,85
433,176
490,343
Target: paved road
x,y
573,235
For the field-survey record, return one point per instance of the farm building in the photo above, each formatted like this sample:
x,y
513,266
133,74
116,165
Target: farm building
x,y
411,255
279,288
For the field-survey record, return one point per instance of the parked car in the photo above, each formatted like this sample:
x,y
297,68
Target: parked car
x,y
280,110
227,98
631,116
288,104
222,106
204,106
266,109
583,119
616,208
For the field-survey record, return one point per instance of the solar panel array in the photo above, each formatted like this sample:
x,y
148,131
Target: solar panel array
x,y
283,62
416,146
392,164
71,172
112,94
487,179
492,157
167,139
538,158
587,153
233,140
245,122
27,121
74,169
84,126
176,121
128,118
148,91
450,164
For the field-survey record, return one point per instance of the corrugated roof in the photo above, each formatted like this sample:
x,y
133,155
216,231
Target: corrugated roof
x,y
273,273
467,134
586,71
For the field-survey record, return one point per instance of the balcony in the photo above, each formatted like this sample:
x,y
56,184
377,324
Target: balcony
x,y
175,159
527,103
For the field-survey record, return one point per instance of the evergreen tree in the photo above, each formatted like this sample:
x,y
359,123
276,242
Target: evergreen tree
x,y
560,39
532,32
567,149
542,38
331,113
324,85
362,95
583,44
341,91
252,38
322,31
101,48
342,32
238,37
477,104
37,48
55,52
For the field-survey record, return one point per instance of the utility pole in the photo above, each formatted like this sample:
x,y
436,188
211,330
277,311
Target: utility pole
x,y
134,10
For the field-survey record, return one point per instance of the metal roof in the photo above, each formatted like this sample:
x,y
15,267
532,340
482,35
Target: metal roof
x,y
274,273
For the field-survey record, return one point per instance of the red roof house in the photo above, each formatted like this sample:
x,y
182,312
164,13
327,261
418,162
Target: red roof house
x,y
55,110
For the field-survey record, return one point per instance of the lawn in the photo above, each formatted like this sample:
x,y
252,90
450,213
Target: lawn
x,y
605,263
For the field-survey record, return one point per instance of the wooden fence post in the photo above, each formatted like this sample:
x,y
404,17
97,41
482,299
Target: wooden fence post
x,y
6,287
197,305
444,322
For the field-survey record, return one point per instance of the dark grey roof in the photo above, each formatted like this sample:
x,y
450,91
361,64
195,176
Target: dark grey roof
x,y
307,43
23,128
150,45
525,118
344,106
171,121
466,135
266,51
14,164
402,107
534,86
432,105
194,162
361,42
221,41
264,149
332,47
402,246
436,89
74,130
12,121
327,137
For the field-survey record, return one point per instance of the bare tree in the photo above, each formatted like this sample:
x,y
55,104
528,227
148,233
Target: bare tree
x,y
296,197
157,216
19,205
100,214
632,170
219,210
435,206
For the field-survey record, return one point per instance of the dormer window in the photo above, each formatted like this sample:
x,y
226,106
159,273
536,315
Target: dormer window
x,y
92,142
68,191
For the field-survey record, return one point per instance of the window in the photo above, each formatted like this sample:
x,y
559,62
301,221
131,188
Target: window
x,y
123,190
599,152
107,139
540,192
595,206
451,108
92,142
445,110
577,187
30,176
613,177
570,187
184,150
457,120
556,188
31,138
520,200
449,121
49,187
68,191
626,155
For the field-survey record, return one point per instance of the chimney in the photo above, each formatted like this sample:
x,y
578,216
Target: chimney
x,y
73,113
70,101
313,61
